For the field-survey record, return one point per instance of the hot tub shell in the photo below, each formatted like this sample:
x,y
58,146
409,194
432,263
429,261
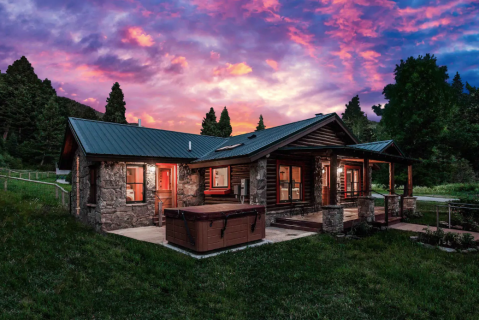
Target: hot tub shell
x,y
213,227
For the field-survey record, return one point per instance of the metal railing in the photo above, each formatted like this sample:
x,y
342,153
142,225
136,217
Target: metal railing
x,y
50,193
451,206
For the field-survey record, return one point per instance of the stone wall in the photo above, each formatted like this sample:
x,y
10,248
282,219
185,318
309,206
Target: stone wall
x,y
366,209
191,186
258,182
409,204
111,211
333,217
393,205
317,183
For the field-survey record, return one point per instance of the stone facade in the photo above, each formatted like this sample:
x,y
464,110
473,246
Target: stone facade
x,y
318,183
366,209
258,182
333,217
191,186
409,204
393,205
111,211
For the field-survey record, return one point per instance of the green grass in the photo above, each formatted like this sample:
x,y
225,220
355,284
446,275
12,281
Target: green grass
x,y
452,190
53,267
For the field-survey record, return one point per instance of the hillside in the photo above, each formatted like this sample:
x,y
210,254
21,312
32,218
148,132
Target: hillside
x,y
77,109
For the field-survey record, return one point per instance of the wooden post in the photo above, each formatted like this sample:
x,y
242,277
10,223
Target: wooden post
x,y
391,178
366,178
29,178
386,211
5,184
409,180
333,180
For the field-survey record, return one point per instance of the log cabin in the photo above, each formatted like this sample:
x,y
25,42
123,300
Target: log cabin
x,y
124,176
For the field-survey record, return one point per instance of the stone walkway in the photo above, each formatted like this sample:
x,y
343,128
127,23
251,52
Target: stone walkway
x,y
419,228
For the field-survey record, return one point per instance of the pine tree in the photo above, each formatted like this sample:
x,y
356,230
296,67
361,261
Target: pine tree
x,y
209,126
12,145
224,125
261,125
357,121
89,114
50,131
115,107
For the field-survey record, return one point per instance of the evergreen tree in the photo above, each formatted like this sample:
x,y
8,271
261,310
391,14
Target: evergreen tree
x,y
209,126
378,110
224,125
89,114
12,145
357,121
260,125
115,107
50,132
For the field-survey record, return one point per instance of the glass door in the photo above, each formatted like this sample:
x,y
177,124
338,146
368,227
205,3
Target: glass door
x,y
353,181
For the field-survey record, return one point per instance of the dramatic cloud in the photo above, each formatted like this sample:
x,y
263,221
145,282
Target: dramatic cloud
x,y
285,60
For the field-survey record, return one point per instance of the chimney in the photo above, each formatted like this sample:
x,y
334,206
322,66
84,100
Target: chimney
x,y
139,122
318,114
189,145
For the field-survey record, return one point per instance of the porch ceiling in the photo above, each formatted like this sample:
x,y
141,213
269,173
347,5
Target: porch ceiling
x,y
349,151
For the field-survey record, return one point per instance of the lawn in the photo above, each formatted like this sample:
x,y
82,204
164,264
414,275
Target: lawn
x,y
52,267
451,190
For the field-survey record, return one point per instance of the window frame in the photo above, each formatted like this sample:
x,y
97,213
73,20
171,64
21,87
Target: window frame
x,y
143,183
359,183
219,190
289,164
93,187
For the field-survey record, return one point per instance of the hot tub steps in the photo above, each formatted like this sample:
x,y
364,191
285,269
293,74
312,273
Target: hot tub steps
x,y
294,224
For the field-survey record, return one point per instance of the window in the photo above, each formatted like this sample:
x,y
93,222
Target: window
x,y
93,178
135,183
352,181
220,178
290,183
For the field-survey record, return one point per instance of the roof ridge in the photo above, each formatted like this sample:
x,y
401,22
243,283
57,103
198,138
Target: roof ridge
x,y
133,126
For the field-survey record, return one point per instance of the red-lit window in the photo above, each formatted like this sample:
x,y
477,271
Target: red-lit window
x,y
135,183
219,181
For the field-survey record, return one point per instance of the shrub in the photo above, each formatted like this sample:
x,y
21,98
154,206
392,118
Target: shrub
x,y
452,239
68,178
434,238
361,229
467,240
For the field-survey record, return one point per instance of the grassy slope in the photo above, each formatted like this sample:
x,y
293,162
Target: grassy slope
x,y
53,267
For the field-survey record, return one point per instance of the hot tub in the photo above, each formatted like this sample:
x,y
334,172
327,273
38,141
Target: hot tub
x,y
210,227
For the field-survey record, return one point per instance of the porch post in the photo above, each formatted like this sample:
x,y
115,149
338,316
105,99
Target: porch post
x,y
333,180
366,178
391,178
409,180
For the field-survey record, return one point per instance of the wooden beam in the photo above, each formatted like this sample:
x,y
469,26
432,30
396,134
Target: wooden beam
x,y
391,178
362,160
333,180
409,180
366,177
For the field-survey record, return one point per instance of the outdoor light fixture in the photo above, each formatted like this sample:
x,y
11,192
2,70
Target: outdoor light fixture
x,y
340,169
323,171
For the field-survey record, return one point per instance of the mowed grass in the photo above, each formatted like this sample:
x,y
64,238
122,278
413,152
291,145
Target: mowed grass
x,y
53,267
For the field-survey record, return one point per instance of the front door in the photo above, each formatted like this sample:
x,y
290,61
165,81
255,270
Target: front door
x,y
165,187
352,181
325,191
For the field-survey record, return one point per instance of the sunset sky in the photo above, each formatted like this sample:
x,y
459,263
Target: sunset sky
x,y
286,60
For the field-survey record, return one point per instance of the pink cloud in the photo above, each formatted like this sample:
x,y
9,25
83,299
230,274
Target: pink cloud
x,y
137,35
237,69
273,64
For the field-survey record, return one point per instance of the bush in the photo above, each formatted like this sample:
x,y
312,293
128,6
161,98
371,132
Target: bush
x,y
452,239
435,238
68,178
361,229
467,241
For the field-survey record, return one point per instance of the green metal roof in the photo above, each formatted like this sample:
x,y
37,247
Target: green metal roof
x,y
106,138
249,145
378,146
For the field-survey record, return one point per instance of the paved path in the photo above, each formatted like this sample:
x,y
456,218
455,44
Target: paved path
x,y
421,198
419,228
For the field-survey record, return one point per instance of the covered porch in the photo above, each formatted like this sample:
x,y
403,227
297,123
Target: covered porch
x,y
345,181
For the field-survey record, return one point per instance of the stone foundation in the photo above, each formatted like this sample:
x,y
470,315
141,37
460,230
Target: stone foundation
x,y
191,186
318,182
393,205
409,204
366,209
333,217
258,182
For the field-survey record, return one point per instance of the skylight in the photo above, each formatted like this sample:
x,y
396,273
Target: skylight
x,y
229,147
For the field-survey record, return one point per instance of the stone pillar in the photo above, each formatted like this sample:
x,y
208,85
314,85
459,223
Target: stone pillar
x,y
393,205
318,183
191,186
409,204
366,209
333,217
258,182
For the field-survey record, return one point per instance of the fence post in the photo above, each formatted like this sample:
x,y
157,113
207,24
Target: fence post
x,y
449,206
29,177
6,184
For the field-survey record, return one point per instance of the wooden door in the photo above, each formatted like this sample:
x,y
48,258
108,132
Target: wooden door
x,y
165,188
325,191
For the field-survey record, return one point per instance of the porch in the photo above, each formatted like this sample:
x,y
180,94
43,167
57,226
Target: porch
x,y
313,222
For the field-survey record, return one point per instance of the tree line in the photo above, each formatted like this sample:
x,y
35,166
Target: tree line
x,y
430,118
222,128
33,118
